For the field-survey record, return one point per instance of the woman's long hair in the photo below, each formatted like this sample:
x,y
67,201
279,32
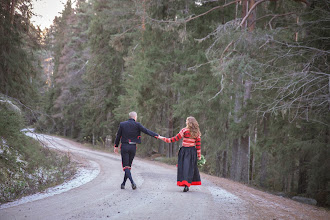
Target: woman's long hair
x,y
193,127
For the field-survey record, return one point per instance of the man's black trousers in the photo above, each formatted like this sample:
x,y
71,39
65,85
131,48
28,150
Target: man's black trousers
x,y
127,155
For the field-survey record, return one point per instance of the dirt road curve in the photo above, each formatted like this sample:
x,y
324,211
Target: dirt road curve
x,y
157,196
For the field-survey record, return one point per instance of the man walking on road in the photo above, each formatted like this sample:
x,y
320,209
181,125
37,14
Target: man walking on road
x,y
130,134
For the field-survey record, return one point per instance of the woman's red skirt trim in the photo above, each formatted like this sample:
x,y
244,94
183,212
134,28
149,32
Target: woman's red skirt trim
x,y
185,183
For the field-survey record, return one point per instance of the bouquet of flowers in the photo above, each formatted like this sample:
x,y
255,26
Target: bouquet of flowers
x,y
201,162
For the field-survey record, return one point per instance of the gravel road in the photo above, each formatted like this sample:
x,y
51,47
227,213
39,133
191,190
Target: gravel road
x,y
95,194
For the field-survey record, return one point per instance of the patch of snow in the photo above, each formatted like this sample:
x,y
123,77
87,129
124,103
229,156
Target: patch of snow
x,y
27,130
3,141
11,105
3,145
19,160
82,177
5,148
9,171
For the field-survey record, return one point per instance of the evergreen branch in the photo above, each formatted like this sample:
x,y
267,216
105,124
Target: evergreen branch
x,y
219,29
222,87
194,68
261,1
310,98
250,11
161,21
212,9
81,68
276,16
212,61
30,109
321,73
131,28
42,142
303,1
313,120
303,47
225,50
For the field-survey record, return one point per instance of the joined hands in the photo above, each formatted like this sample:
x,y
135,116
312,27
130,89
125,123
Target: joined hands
x,y
161,138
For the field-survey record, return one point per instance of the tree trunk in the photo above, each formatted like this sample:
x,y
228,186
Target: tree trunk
x,y
302,180
234,160
161,147
236,10
289,179
251,172
244,12
263,169
244,146
218,163
245,140
161,144
72,129
169,130
235,168
252,17
297,33
12,11
264,156
225,154
170,134
244,158
292,183
224,164
252,157
64,131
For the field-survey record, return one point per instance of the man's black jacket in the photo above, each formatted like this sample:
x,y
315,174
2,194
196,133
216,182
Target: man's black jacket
x,y
130,132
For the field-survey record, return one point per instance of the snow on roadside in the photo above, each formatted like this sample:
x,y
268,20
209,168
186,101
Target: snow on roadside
x,y
4,148
82,177
3,145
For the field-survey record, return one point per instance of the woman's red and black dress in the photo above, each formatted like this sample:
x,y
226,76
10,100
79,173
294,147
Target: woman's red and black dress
x,y
188,173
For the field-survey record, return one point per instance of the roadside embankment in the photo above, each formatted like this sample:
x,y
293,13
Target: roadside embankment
x,y
26,167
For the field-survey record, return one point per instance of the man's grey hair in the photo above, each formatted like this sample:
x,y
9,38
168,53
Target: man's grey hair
x,y
132,114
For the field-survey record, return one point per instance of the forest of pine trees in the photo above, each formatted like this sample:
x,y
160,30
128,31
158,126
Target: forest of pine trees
x,y
254,73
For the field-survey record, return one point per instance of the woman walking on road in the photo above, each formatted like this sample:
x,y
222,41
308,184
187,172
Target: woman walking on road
x,y
190,151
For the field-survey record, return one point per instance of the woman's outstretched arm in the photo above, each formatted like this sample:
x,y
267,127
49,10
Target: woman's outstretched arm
x,y
173,139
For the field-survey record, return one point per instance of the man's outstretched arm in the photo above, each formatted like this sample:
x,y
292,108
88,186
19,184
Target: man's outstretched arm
x,y
147,131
